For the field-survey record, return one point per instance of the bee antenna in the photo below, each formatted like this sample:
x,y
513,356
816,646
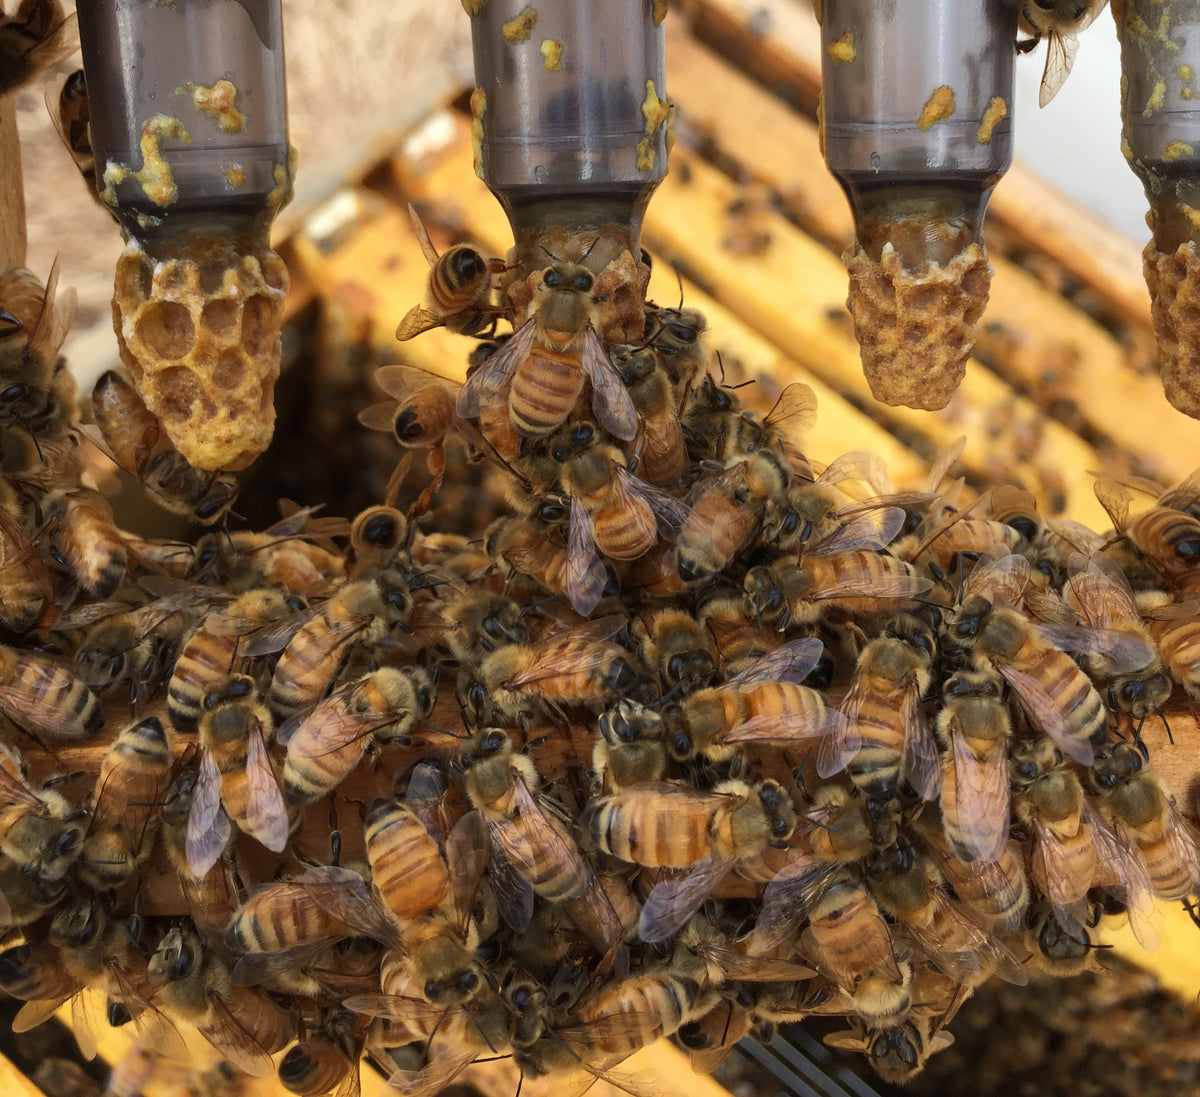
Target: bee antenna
x,y
438,1024
590,246
490,1047
555,257
8,318
1163,717
679,282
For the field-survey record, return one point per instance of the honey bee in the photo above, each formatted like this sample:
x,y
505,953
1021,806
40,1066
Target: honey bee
x,y
360,614
125,818
630,747
236,779
813,510
325,743
131,435
1059,22
43,698
678,647
40,832
327,1060
24,582
133,649
67,102
847,939
726,515
612,512
211,651
97,951
457,297
898,1049
1058,696
661,823
532,852
540,371
578,666
678,337
996,891
975,730
1178,642
753,819
885,736
1060,948
662,458
33,39
87,540
1140,808
483,621
1115,642
210,897
854,580
1168,539
607,1026
284,919
908,887
242,1023
1048,798
761,703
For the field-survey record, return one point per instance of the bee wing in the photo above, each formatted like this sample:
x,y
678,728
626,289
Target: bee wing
x,y
941,467
981,792
418,319
961,947
786,900
227,1034
208,826
486,385
596,653
999,579
841,748
427,248
1060,58
84,1024
872,531
855,582
672,902
980,878
274,637
399,380
790,662
796,409
611,402
1133,886
920,762
13,790
379,416
1046,714
1116,500
443,1067
37,1011
758,969
859,464
1058,865
344,894
777,727
266,813
154,1028
672,513
874,948
514,894
585,574
1119,652
466,860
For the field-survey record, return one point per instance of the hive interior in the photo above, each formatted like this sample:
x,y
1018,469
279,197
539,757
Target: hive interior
x,y
329,422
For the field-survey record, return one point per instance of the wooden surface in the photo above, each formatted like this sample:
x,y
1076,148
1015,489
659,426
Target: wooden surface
x,y
12,189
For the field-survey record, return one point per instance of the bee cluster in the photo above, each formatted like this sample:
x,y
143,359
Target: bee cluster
x,y
744,739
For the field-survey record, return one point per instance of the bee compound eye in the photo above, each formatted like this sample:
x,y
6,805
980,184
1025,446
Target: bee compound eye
x,y
553,278
467,263
583,282
693,1036
466,982
1188,549
239,687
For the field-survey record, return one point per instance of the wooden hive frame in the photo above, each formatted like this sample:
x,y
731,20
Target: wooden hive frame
x,y
1055,391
